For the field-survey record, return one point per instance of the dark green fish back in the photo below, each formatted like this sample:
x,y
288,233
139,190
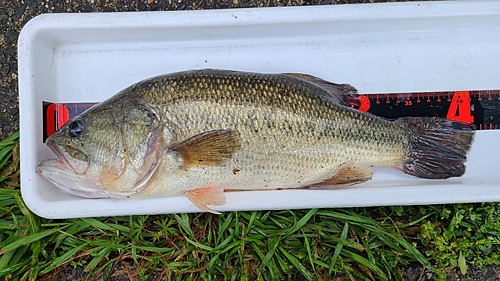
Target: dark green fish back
x,y
311,105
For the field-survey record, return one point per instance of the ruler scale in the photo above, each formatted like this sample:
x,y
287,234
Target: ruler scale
x,y
478,108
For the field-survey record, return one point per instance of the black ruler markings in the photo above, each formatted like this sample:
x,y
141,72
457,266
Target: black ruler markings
x,y
479,108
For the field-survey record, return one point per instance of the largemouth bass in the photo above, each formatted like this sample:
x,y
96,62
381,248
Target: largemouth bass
x,y
200,132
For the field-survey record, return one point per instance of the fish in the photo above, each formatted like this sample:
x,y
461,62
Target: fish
x,y
201,133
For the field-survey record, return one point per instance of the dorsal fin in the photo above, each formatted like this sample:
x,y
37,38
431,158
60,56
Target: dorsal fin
x,y
334,93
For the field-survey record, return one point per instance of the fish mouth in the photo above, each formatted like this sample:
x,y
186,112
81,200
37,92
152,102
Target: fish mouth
x,y
67,180
60,156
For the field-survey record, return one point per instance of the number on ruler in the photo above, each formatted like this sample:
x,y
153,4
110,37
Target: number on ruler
x,y
460,108
408,102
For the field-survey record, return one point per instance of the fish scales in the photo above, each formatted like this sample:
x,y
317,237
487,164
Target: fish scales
x,y
201,132
288,131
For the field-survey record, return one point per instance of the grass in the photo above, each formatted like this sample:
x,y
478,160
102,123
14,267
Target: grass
x,y
316,244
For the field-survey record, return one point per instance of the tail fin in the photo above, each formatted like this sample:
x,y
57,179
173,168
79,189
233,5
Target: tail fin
x,y
438,149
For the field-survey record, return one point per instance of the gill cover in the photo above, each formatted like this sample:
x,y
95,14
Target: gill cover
x,y
141,148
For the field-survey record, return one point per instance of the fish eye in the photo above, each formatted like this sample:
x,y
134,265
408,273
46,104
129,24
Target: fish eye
x,y
76,128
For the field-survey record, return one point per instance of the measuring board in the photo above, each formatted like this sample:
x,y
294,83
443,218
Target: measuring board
x,y
481,109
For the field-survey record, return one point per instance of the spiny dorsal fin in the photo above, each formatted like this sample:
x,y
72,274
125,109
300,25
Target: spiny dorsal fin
x,y
335,93
210,148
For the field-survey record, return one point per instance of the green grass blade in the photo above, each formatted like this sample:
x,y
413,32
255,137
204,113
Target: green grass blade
x,y
9,140
13,268
155,249
97,259
272,246
302,221
413,251
27,240
223,244
299,266
63,258
5,259
95,223
251,220
338,249
373,267
5,155
309,253
184,221
199,245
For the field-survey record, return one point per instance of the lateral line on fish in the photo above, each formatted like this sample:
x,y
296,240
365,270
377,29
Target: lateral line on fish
x,y
380,104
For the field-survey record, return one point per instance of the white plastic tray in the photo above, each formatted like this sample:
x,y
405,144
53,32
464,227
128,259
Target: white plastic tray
x,y
416,46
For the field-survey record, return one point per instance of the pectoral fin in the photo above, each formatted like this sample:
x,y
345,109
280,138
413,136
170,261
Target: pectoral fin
x,y
203,197
210,148
347,176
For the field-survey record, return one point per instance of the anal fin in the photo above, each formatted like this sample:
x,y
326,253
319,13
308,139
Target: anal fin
x,y
202,197
347,176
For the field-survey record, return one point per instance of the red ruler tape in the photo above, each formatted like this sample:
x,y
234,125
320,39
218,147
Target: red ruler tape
x,y
479,108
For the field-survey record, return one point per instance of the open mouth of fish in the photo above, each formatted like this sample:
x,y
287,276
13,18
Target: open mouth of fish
x,y
69,179
60,156
77,166
66,179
